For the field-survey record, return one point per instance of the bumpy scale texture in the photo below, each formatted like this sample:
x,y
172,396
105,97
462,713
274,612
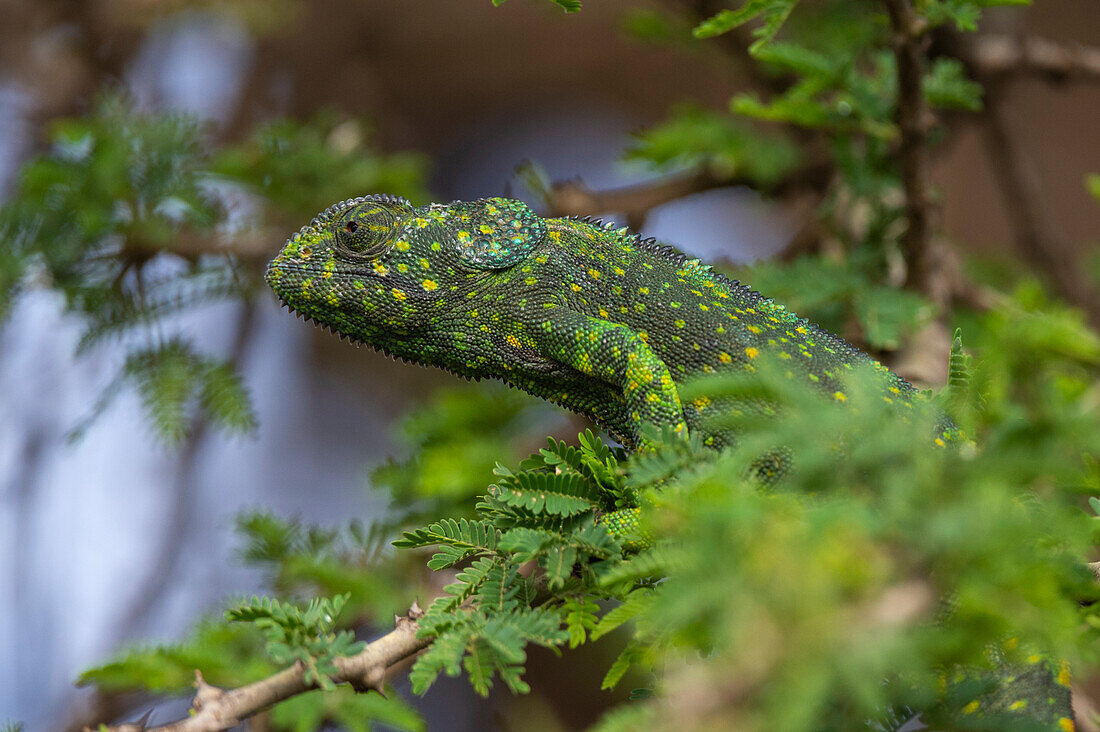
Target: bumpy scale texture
x,y
585,315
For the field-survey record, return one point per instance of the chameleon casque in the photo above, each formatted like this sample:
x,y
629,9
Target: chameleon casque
x,y
585,315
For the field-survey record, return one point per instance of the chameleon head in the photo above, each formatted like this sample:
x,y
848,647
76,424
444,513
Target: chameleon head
x,y
376,269
363,267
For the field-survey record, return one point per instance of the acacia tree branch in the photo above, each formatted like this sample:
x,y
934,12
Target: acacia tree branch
x,y
574,198
1004,55
913,118
217,709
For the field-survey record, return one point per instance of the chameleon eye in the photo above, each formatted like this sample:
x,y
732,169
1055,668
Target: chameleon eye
x,y
366,231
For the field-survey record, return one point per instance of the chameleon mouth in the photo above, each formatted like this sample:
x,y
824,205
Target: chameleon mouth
x,y
305,316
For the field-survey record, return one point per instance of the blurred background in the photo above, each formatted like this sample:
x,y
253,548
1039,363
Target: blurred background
x,y
115,535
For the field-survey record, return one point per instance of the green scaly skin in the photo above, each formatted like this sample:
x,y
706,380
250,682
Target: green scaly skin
x,y
587,316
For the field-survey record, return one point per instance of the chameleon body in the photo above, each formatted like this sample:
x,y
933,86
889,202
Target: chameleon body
x,y
586,315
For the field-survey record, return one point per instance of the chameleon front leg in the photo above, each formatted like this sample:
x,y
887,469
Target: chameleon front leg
x,y
618,356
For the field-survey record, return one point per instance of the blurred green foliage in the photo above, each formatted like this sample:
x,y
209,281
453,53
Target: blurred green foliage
x,y
127,218
455,441
813,604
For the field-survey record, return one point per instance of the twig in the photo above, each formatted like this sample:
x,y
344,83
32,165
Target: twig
x,y
574,198
1003,55
219,709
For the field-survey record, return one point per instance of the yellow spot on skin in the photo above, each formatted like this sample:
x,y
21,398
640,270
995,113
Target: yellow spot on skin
x,y
425,264
752,328
574,287
801,330
725,357
1066,724
603,313
1063,675
970,708
679,323
594,274
1011,644
752,352
512,341
701,403
399,294
381,269
1017,705
620,271
840,396
401,246
940,442
429,285
1034,658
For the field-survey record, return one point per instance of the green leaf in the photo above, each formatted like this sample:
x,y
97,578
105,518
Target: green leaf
x,y
461,533
444,655
632,654
963,13
635,604
946,85
558,563
773,12
580,618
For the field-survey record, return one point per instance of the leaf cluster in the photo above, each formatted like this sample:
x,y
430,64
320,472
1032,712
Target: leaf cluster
x,y
543,515
134,220
305,636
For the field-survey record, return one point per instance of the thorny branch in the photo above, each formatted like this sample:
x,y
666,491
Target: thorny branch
x,y
217,709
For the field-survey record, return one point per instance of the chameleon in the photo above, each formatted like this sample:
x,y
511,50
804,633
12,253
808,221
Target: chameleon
x,y
584,314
